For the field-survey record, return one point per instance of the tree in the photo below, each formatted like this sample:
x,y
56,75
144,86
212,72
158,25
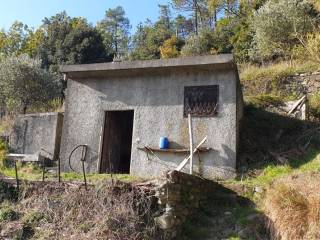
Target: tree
x,y
33,42
277,26
70,40
183,26
23,83
165,16
171,47
13,41
198,8
201,44
150,37
115,29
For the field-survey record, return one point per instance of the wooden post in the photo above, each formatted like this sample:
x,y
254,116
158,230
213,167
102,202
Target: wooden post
x,y
191,143
186,160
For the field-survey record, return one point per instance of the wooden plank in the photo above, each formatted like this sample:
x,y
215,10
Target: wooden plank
x,y
185,161
174,150
297,104
23,157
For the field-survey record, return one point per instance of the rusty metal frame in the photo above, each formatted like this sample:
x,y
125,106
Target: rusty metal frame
x,y
201,101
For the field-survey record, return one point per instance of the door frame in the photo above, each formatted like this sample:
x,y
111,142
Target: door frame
x,y
102,130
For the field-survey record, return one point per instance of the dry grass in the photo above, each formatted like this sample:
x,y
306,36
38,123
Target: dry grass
x,y
113,211
293,206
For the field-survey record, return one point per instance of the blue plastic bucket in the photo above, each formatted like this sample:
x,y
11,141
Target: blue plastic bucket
x,y
164,143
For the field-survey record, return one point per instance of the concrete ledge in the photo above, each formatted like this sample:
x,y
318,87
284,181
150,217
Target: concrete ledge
x,y
223,59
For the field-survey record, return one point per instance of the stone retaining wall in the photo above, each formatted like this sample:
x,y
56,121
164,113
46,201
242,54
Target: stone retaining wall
x,y
180,195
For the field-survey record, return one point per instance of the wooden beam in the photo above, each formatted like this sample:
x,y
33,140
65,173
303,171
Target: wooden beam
x,y
191,142
185,161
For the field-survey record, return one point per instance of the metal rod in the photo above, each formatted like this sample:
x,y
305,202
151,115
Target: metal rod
x,y
16,171
83,154
59,170
191,142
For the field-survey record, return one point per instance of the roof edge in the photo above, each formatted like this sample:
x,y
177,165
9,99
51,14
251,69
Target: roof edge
x,y
159,63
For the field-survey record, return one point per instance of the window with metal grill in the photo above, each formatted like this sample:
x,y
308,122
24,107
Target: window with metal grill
x,y
201,101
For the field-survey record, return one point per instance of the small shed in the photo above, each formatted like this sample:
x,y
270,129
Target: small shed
x,y
120,110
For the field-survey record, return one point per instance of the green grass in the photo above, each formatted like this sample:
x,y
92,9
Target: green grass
x,y
31,172
309,163
263,100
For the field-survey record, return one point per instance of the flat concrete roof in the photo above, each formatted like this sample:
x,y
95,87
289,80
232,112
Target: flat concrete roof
x,y
209,62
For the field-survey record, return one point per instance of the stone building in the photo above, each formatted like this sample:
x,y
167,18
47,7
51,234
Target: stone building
x,y
120,110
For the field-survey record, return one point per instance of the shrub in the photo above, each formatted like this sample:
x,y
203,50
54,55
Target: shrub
x,y
32,218
7,213
312,46
200,44
3,153
277,26
171,48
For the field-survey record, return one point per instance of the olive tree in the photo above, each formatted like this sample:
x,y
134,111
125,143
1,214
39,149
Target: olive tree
x,y
278,24
23,83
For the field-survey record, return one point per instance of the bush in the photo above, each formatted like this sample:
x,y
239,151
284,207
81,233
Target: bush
x,y
171,48
201,44
32,218
7,213
278,25
3,154
312,46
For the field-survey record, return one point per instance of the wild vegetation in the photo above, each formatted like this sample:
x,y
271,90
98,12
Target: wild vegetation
x,y
272,41
257,32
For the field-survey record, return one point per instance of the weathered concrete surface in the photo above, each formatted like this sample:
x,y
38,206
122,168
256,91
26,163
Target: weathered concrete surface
x,y
31,132
157,100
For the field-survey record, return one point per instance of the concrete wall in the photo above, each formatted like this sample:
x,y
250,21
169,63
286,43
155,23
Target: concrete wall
x,y
157,101
31,132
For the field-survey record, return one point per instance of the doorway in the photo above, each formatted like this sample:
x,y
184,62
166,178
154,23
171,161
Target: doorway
x,y
117,141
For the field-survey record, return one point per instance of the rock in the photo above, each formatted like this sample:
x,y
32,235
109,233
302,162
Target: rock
x,y
228,213
244,233
254,218
258,189
166,221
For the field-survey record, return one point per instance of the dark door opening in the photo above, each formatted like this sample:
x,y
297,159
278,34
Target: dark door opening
x,y
117,140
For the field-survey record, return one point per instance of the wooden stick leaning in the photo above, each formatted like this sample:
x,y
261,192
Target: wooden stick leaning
x,y
191,143
185,161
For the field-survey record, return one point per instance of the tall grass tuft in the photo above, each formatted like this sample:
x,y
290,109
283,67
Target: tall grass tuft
x,y
293,207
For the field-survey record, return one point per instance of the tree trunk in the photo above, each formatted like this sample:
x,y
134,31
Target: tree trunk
x,y
24,111
195,9
215,17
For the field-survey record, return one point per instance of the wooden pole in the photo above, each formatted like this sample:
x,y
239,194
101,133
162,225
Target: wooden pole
x,y
191,143
185,161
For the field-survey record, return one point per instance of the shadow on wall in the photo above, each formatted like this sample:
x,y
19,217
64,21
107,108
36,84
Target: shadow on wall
x,y
264,136
226,215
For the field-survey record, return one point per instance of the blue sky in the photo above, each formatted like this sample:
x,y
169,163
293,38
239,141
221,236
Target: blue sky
x,y
31,12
